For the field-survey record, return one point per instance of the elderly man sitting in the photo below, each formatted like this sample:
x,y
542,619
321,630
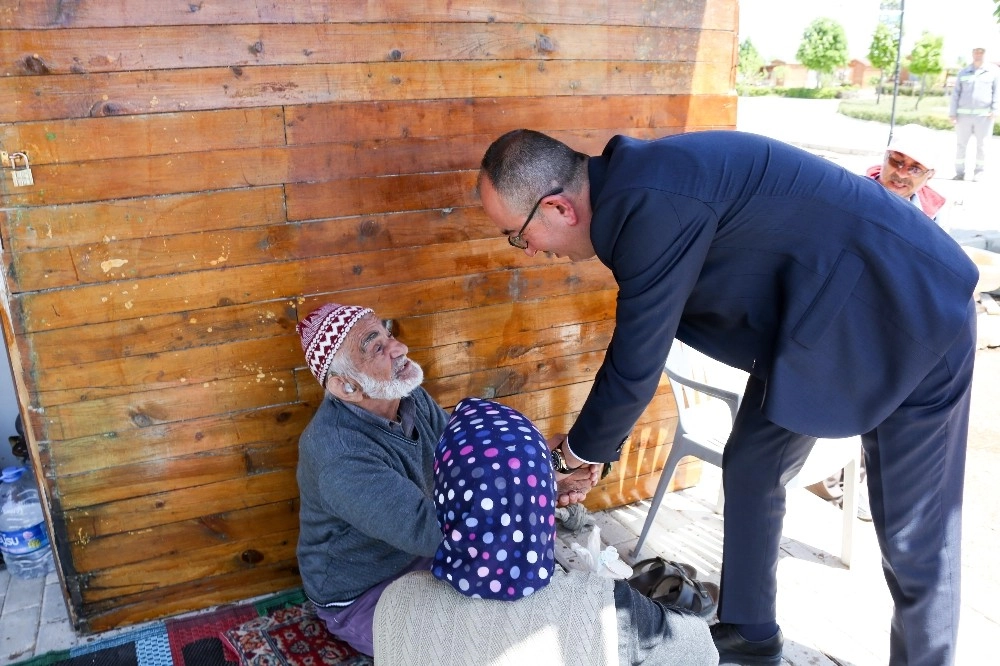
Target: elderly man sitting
x,y
908,164
365,474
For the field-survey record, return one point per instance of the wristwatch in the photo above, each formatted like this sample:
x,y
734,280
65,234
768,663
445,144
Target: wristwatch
x,y
559,462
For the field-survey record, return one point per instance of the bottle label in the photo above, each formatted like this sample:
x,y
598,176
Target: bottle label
x,y
24,541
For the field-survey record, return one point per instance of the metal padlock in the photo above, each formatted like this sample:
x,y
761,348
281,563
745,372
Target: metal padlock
x,y
21,174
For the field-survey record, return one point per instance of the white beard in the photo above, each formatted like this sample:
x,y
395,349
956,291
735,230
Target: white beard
x,y
393,389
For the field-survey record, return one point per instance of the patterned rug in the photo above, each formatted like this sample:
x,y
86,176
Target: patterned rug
x,y
279,631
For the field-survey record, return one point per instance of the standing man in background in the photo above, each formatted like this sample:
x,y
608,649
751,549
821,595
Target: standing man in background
x,y
974,105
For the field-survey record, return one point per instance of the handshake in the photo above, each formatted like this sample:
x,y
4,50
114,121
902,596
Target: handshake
x,y
572,487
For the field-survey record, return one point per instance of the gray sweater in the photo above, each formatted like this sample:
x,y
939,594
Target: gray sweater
x,y
366,510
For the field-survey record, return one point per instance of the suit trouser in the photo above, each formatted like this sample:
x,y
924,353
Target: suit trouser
x,y
967,126
916,471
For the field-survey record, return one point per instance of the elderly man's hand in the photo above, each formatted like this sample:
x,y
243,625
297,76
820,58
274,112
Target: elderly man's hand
x,y
573,488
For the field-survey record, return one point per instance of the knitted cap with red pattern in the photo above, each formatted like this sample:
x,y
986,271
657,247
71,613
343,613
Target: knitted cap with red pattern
x,y
323,331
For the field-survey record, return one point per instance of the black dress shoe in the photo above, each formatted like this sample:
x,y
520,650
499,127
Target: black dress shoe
x,y
734,649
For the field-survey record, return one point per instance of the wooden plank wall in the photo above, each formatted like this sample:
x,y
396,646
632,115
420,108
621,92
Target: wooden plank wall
x,y
208,172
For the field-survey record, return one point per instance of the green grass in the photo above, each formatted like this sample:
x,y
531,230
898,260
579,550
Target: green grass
x,y
932,111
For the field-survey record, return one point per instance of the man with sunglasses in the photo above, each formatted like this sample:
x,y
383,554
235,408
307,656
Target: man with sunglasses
x,y
849,308
909,164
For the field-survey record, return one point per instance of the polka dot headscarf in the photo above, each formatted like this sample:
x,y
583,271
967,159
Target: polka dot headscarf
x,y
493,489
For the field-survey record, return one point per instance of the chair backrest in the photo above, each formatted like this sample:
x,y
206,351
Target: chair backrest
x,y
702,387
697,379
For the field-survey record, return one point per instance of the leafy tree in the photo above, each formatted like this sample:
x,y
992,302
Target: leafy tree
x,y
823,48
925,60
750,61
882,53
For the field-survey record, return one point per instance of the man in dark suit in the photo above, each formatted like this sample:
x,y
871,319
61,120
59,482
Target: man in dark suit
x,y
851,310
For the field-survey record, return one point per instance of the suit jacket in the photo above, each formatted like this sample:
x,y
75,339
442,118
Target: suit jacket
x,y
840,295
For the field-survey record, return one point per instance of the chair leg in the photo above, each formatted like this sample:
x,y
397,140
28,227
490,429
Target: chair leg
x,y
676,453
850,507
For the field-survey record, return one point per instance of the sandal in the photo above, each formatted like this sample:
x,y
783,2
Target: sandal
x,y
647,573
701,598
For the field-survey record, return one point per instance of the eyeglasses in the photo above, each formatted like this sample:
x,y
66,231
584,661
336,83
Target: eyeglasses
x,y
898,161
516,240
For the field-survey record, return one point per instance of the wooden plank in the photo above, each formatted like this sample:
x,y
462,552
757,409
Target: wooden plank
x,y
257,167
369,196
168,91
142,409
65,141
535,346
262,359
158,603
640,488
661,409
491,117
44,227
495,383
52,349
136,177
552,410
113,260
125,482
48,14
172,506
61,141
508,318
165,441
82,51
246,284
254,167
175,539
188,567
164,333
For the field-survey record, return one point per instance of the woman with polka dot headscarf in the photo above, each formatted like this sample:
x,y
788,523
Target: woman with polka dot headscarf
x,y
494,594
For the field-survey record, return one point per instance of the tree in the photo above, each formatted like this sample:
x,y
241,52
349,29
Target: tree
x,y
823,48
750,62
925,60
882,53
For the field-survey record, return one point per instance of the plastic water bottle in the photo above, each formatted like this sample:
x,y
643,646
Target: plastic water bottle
x,y
23,538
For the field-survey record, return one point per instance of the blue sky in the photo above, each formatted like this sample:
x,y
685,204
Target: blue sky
x,y
775,26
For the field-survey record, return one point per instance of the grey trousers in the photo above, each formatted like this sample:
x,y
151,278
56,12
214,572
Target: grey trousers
x,y
966,127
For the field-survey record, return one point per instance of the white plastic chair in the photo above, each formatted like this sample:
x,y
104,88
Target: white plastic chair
x,y
708,395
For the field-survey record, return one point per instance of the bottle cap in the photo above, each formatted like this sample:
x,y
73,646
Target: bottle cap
x,y
10,474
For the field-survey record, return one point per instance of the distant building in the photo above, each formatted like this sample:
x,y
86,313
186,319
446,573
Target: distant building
x,y
863,75
783,74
